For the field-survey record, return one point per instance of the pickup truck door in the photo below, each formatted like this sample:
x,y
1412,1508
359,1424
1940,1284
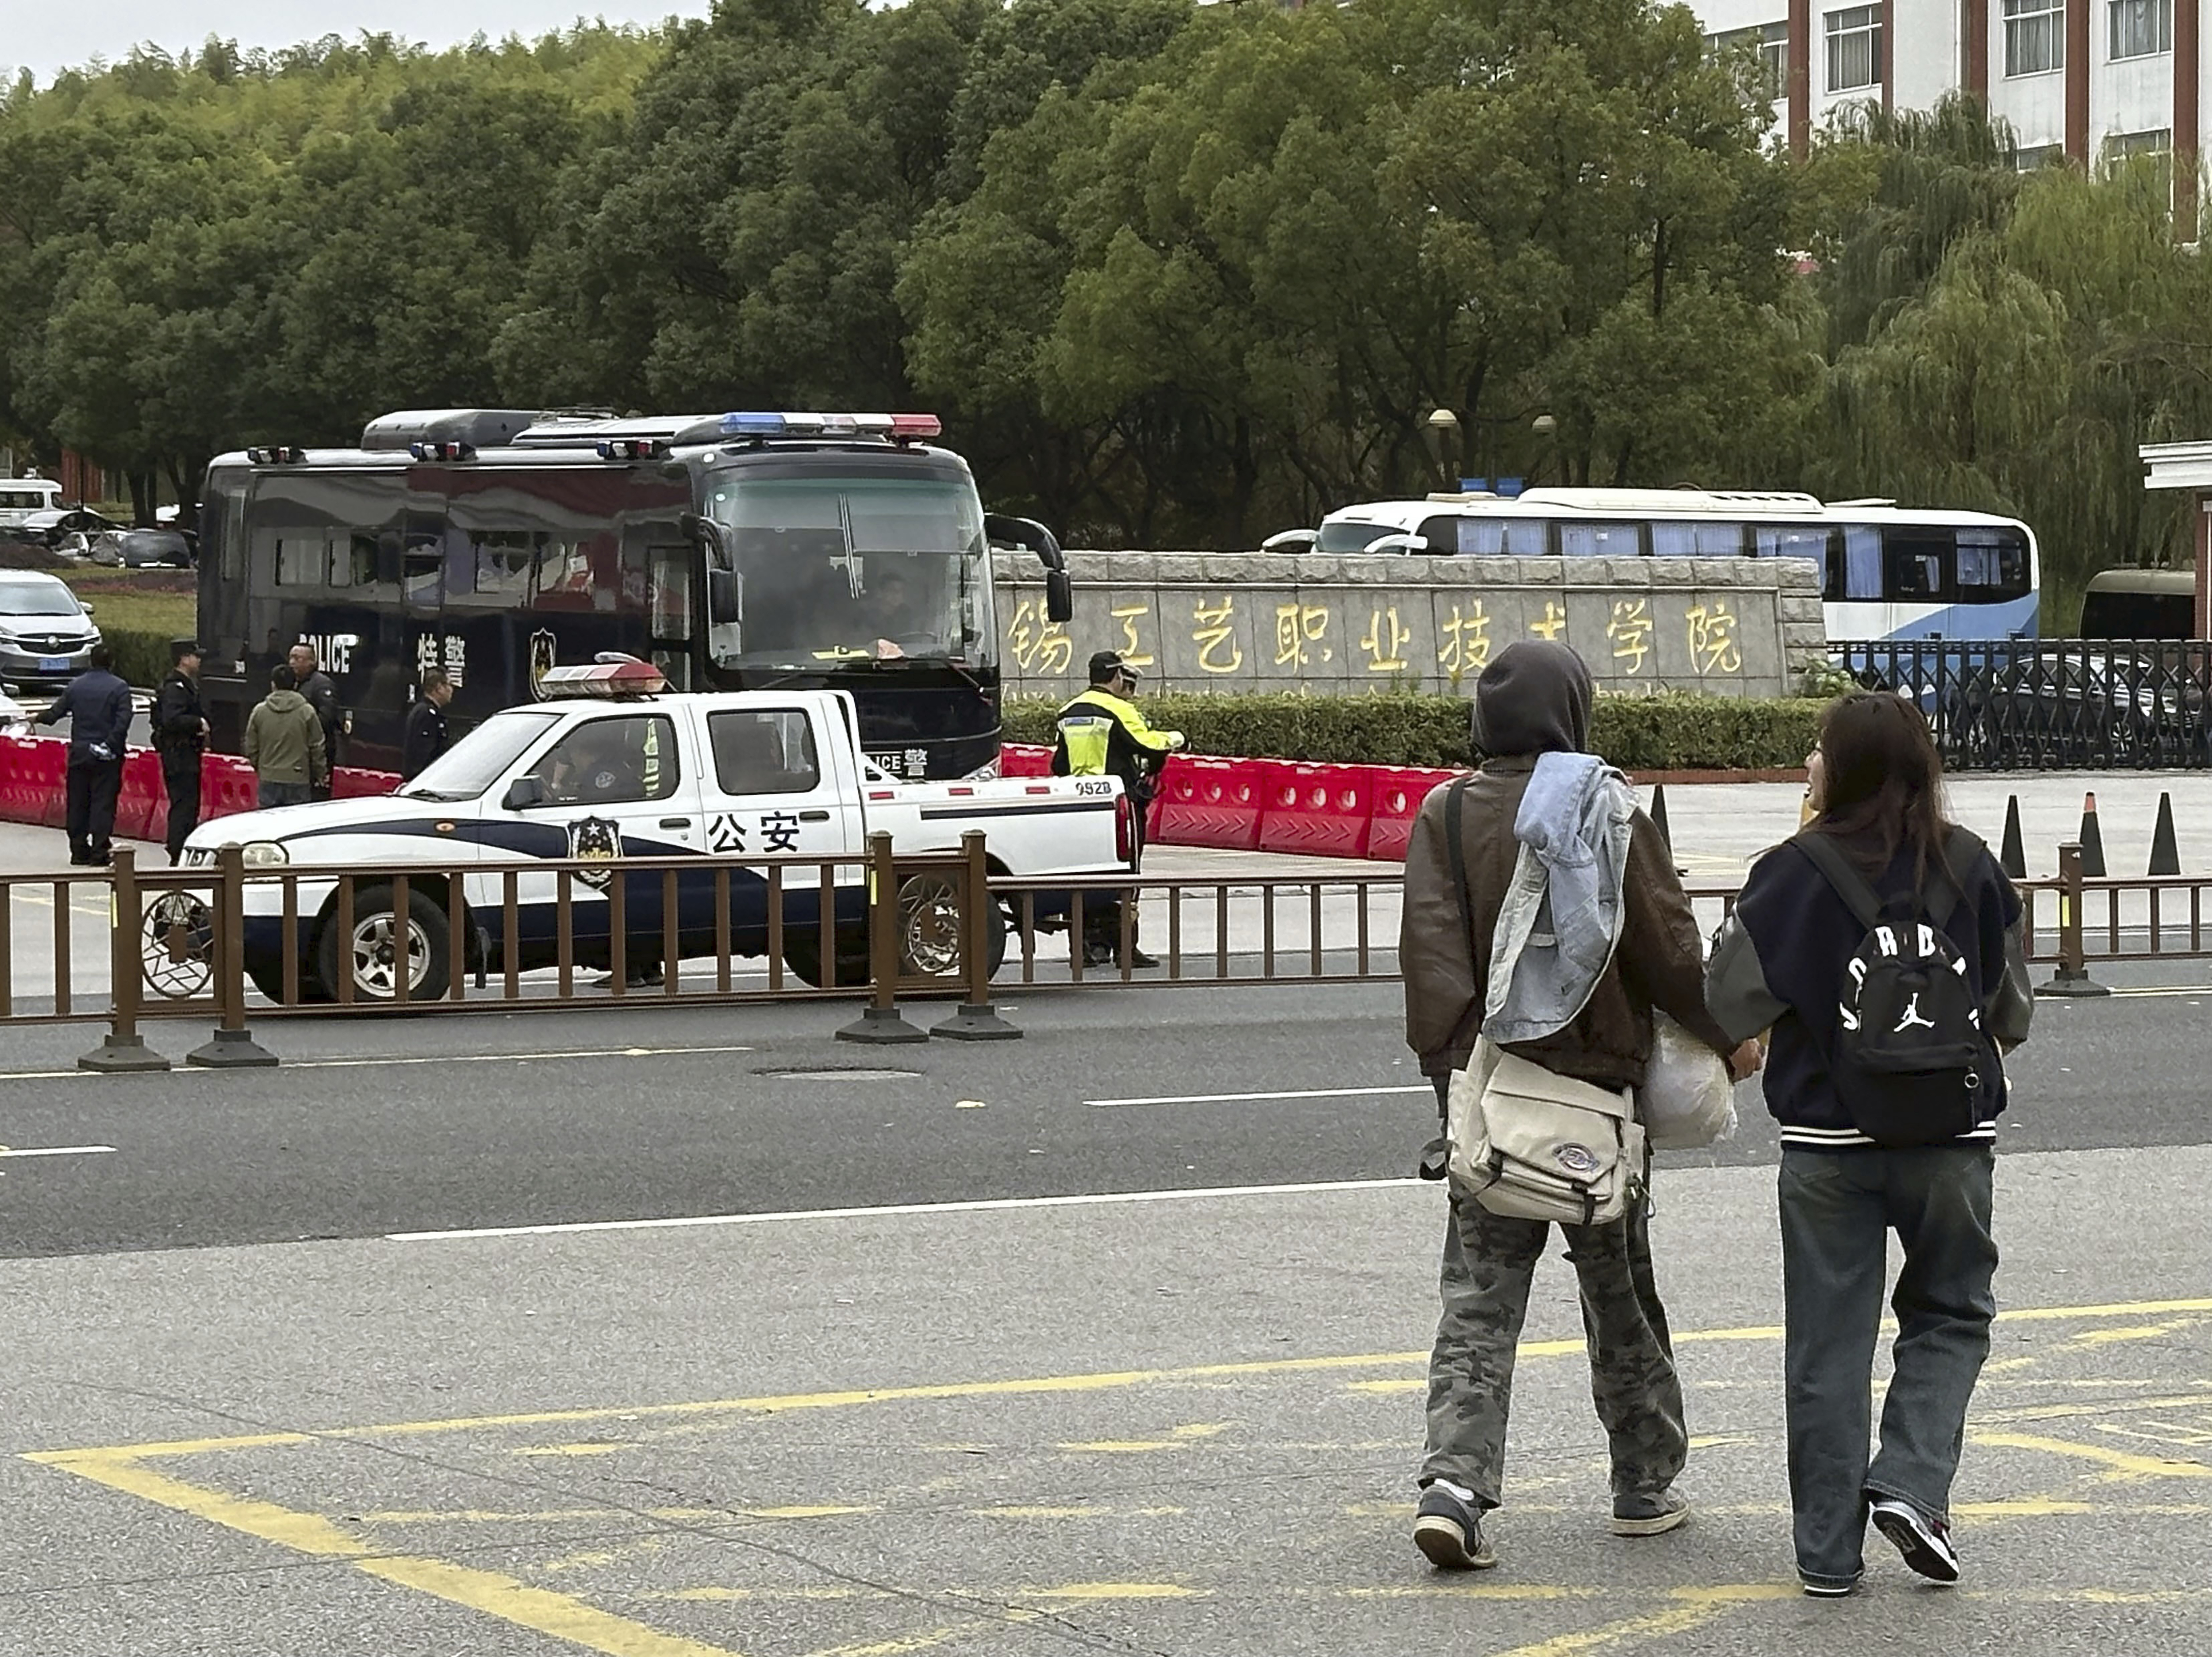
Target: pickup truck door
x,y
622,783
774,782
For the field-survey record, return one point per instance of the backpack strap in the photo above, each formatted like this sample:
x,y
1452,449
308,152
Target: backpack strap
x,y
1456,851
1836,869
1962,849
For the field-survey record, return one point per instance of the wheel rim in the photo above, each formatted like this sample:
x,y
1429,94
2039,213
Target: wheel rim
x,y
929,925
376,955
175,946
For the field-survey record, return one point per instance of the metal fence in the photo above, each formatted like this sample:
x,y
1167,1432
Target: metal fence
x,y
125,945
2051,704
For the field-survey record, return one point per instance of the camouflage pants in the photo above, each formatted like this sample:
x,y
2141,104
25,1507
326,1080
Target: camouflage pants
x,y
1490,1261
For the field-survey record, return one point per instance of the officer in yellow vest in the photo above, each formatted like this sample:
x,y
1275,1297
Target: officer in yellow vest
x,y
1102,734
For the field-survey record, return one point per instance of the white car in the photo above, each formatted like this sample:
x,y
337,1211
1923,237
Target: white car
x,y
720,777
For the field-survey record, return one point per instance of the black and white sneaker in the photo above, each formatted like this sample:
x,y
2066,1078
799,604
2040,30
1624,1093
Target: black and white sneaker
x,y
1449,1531
1827,1587
1924,1542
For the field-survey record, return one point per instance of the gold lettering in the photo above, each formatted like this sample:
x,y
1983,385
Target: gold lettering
x,y
1465,647
1713,645
1133,647
1630,629
1297,627
1214,632
1553,624
1385,641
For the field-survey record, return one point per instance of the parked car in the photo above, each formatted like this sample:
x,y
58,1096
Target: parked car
x,y
15,718
54,527
46,634
2095,709
139,549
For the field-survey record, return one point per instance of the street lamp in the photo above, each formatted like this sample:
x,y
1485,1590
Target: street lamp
x,y
1543,425
1445,424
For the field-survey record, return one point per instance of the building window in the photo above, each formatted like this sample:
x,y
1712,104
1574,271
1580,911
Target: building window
x,y
2140,28
2120,146
2035,36
2028,157
1855,48
1771,40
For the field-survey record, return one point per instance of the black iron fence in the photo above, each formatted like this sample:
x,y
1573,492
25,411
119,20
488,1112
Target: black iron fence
x,y
2051,704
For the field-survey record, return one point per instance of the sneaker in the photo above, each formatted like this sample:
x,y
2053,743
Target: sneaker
x,y
1823,1588
1924,1542
1449,1531
1649,1512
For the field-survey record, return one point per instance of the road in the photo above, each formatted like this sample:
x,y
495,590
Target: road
x,y
696,1334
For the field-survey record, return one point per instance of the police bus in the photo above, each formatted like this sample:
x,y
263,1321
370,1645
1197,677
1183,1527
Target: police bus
x,y
735,552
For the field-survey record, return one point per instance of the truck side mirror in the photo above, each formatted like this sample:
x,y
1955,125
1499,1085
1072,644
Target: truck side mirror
x,y
524,792
707,533
1059,596
721,595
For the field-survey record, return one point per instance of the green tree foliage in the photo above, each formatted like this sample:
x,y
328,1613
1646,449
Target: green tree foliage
x,y
1177,274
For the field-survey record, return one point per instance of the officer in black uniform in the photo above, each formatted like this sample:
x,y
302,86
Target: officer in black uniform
x,y
180,734
97,705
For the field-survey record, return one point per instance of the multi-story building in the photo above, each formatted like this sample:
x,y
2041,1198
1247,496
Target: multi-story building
x,y
2082,79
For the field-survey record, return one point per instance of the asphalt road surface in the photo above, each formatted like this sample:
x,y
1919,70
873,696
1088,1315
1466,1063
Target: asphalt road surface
x,y
681,1333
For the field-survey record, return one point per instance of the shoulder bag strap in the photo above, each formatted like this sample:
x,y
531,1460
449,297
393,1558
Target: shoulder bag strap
x,y
1836,869
1455,849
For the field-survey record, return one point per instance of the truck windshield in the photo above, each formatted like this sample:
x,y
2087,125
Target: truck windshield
x,y
1350,536
479,759
845,569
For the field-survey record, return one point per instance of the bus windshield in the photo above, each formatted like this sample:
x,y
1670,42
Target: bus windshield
x,y
479,759
1348,535
832,570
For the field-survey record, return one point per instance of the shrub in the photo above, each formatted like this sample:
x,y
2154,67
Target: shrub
x,y
1637,733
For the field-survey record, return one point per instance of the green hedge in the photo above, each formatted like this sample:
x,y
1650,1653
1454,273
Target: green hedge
x,y
1637,733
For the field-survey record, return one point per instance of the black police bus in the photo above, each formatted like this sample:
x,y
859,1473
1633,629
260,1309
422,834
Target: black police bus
x,y
735,552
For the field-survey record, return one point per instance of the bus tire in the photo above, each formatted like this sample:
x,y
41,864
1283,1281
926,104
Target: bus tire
x,y
371,953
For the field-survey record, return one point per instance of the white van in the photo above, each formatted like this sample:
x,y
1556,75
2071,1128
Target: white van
x,y
21,496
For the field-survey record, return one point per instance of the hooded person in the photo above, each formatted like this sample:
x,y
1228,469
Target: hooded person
x,y
1617,940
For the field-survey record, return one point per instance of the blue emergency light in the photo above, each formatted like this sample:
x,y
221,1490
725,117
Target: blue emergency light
x,y
899,427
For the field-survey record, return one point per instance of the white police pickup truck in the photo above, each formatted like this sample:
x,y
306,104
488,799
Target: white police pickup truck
x,y
608,769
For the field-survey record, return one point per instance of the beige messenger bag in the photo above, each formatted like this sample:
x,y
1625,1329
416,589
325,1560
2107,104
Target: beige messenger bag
x,y
1534,1145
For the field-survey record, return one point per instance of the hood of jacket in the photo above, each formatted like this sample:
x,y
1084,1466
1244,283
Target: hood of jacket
x,y
283,701
1533,698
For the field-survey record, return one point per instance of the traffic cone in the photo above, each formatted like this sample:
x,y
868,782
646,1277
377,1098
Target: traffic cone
x,y
2093,840
2014,856
2164,853
1659,814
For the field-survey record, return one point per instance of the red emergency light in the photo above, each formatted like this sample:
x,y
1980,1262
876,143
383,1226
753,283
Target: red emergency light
x,y
623,676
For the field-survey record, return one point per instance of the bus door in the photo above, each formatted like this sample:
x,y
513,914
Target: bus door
x,y
772,787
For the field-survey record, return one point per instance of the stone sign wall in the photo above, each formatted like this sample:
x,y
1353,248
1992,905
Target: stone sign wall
x,y
1231,621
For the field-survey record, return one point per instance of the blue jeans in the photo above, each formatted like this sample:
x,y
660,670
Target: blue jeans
x,y
1837,1209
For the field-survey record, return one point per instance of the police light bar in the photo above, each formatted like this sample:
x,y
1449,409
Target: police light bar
x,y
630,448
442,451
276,457
624,677
899,427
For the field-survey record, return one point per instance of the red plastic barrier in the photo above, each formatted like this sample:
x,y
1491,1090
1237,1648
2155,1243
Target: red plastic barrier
x,y
1209,802
1024,760
141,809
31,775
350,782
1319,810
227,785
1399,791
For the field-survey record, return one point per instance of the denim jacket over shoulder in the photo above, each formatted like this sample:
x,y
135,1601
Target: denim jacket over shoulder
x,y
1562,915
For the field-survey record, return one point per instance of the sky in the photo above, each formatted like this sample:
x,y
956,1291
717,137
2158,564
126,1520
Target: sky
x,y
45,37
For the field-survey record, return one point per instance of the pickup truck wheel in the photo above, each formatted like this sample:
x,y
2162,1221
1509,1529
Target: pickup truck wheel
x,y
929,929
371,954
802,953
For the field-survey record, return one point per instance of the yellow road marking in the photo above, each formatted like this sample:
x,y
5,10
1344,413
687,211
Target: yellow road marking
x,y
537,1609
1114,1591
1695,1608
929,1637
571,1450
2122,1464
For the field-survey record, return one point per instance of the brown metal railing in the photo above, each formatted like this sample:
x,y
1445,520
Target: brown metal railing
x,y
177,939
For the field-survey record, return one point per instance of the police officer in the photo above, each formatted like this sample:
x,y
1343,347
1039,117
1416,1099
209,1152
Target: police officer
x,y
97,705
425,737
180,734
321,695
1102,734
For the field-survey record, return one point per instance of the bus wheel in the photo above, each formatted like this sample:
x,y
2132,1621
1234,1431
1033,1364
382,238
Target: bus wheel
x,y
371,953
802,953
929,929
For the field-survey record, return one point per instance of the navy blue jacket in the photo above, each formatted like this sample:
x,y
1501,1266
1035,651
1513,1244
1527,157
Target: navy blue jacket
x,y
98,705
1780,962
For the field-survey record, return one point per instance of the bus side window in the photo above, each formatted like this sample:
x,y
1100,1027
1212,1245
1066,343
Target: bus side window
x,y
421,566
1913,561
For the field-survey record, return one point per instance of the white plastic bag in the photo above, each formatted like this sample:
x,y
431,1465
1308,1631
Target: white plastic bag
x,y
1686,1102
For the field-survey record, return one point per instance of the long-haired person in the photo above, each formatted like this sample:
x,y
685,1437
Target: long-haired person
x,y
1883,944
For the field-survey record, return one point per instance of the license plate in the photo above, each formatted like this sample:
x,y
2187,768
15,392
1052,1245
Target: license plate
x,y
54,663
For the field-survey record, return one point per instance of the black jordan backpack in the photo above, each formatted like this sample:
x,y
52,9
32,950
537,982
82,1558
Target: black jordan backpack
x,y
1911,1052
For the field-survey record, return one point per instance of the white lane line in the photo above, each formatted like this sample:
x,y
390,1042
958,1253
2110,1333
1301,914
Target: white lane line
x,y
1248,1098
57,1150
414,1059
980,1206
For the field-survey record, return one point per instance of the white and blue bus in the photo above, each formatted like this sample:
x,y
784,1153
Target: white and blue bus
x,y
1887,572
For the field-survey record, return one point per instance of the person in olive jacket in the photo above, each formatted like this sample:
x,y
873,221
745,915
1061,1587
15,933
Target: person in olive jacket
x,y
180,734
284,745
